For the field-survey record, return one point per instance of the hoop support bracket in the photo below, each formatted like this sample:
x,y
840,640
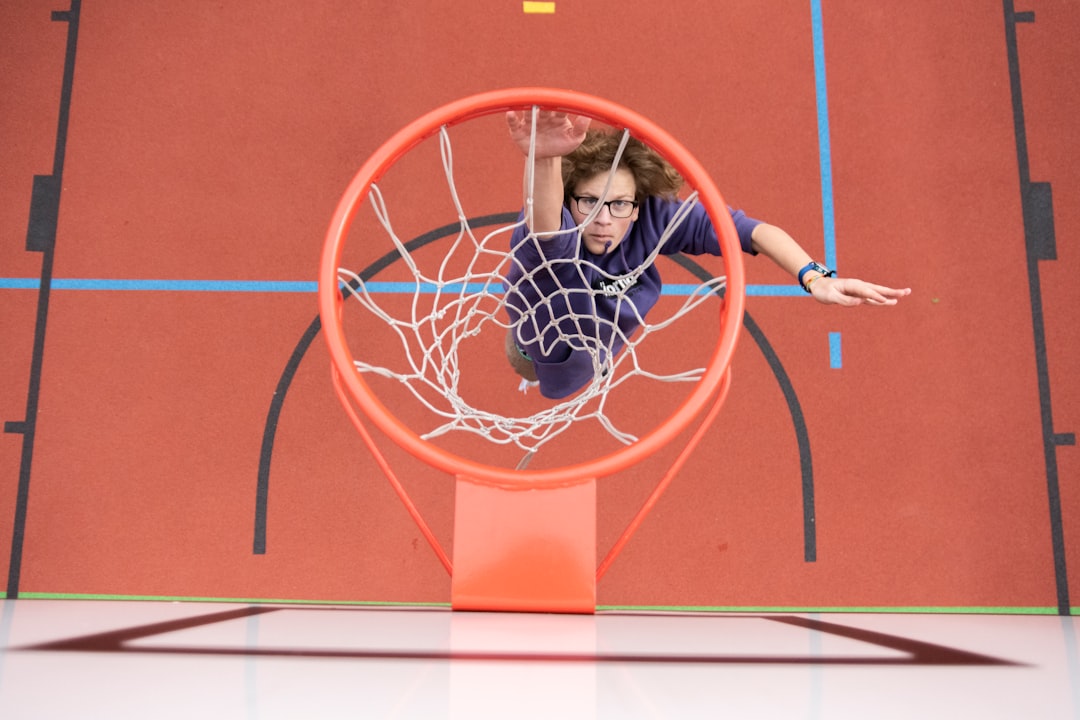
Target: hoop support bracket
x,y
524,550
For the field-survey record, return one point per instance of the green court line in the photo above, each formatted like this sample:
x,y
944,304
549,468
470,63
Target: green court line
x,y
880,609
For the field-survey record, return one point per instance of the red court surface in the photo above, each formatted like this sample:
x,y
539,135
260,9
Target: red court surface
x,y
168,174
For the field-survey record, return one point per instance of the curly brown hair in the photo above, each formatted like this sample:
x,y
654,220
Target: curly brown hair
x,y
653,175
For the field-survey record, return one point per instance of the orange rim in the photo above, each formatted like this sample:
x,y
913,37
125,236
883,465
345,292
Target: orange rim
x,y
356,390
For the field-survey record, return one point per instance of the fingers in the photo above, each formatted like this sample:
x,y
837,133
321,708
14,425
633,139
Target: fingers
x,y
580,123
517,119
888,291
851,292
880,295
553,121
552,133
516,123
874,295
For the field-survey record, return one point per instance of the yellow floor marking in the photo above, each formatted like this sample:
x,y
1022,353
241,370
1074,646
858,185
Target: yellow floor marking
x,y
538,7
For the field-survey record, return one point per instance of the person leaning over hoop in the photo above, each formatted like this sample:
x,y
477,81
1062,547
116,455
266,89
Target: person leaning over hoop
x,y
572,165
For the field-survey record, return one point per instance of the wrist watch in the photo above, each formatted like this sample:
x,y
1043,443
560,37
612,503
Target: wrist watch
x,y
814,267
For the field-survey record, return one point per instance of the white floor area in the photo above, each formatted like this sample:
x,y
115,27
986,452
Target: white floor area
x,y
105,659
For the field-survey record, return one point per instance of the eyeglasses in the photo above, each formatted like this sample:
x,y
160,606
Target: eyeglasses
x,y
618,208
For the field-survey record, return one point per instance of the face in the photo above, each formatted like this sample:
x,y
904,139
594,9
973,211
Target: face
x,y
605,232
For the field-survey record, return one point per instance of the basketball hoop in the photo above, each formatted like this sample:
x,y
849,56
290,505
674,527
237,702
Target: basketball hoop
x,y
336,288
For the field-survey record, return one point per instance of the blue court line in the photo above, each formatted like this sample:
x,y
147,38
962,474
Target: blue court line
x,y
836,360
828,222
161,285
287,286
824,142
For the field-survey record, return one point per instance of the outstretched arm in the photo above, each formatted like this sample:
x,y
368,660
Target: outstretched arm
x,y
782,249
557,134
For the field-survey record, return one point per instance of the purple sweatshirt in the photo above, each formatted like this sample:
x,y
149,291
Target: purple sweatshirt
x,y
601,302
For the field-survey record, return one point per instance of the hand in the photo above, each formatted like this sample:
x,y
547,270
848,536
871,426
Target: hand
x,y
851,292
557,133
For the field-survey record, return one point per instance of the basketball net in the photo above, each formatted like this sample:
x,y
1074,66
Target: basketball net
x,y
449,307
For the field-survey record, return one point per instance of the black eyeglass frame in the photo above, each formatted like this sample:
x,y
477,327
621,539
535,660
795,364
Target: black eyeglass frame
x,y
578,198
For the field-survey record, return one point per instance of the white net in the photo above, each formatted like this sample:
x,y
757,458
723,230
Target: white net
x,y
465,291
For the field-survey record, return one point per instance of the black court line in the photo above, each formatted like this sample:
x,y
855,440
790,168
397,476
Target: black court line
x,y
798,420
262,492
1040,244
915,652
266,452
41,237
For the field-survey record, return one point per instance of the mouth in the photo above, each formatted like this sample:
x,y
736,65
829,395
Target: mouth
x,y
598,244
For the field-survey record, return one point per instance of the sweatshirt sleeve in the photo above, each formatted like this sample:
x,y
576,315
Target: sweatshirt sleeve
x,y
696,235
531,253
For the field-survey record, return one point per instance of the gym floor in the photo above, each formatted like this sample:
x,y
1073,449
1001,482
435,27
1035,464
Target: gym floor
x,y
108,659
